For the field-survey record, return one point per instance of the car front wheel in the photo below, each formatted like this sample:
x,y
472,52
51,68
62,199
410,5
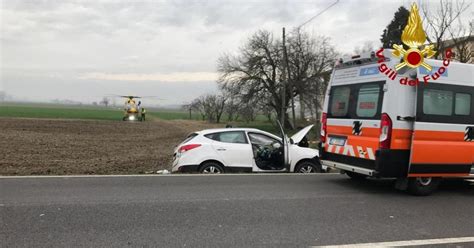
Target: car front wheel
x,y
307,167
211,168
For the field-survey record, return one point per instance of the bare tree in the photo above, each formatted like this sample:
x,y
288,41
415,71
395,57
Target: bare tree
x,y
211,107
196,105
310,59
256,74
461,36
439,22
105,101
367,46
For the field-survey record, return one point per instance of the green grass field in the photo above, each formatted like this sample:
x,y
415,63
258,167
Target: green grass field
x,y
56,111
80,112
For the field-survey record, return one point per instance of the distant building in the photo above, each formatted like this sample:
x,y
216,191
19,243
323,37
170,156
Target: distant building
x,y
462,47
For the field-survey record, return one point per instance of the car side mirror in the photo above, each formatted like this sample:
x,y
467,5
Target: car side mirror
x,y
291,141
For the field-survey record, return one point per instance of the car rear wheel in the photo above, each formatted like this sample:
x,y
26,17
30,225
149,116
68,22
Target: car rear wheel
x,y
423,186
307,167
211,168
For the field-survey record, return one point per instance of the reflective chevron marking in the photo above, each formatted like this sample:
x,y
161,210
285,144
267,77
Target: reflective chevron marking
x,y
348,150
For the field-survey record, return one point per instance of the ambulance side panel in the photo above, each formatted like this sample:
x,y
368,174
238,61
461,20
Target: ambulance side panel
x,y
432,124
442,138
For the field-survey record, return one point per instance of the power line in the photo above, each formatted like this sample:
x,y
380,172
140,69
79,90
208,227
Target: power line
x,y
312,18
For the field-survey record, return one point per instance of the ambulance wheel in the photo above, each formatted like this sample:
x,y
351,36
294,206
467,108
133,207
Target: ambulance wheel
x,y
422,186
355,176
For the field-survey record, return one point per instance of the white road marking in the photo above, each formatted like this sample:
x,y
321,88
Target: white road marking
x,y
407,243
174,175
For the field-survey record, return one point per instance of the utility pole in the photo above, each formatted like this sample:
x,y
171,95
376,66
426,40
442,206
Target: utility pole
x,y
286,72
286,75
283,90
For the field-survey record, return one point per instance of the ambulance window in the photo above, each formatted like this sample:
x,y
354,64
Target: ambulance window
x,y
437,102
367,100
340,101
462,105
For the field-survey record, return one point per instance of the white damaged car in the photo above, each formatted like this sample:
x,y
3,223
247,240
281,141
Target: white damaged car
x,y
245,150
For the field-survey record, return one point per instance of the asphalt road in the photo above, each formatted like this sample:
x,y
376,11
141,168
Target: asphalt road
x,y
225,211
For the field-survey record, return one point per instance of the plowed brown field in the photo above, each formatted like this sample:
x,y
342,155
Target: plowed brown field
x,y
58,147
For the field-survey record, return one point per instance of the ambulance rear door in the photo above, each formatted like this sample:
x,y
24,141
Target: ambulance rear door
x,y
353,122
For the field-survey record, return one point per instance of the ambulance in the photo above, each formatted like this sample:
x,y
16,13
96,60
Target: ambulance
x,y
414,125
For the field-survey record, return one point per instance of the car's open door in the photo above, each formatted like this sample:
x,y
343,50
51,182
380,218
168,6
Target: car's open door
x,y
286,153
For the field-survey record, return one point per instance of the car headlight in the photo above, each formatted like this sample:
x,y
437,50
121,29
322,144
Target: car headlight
x,y
131,117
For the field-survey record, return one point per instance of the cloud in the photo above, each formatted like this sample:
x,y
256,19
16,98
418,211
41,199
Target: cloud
x,y
148,41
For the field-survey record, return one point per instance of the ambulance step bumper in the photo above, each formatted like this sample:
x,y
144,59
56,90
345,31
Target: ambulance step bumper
x,y
346,167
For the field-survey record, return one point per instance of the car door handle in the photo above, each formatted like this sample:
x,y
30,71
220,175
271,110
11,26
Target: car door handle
x,y
221,149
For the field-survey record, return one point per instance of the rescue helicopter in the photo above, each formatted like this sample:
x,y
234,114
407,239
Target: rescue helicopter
x,y
132,110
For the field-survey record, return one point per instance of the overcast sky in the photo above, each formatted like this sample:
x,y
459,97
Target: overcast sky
x,y
83,50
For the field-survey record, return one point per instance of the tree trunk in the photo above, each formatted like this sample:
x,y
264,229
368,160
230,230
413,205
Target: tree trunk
x,y
287,122
302,107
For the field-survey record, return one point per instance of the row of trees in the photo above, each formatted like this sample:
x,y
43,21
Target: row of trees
x,y
212,108
261,79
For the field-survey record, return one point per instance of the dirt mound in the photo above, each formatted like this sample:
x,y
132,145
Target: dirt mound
x,y
39,146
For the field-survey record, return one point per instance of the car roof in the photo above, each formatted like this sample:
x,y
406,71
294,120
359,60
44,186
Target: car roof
x,y
216,130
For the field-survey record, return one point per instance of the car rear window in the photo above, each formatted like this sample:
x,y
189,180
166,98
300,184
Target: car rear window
x,y
190,137
356,101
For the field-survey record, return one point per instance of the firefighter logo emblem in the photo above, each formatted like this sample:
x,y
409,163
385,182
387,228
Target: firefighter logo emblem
x,y
414,37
